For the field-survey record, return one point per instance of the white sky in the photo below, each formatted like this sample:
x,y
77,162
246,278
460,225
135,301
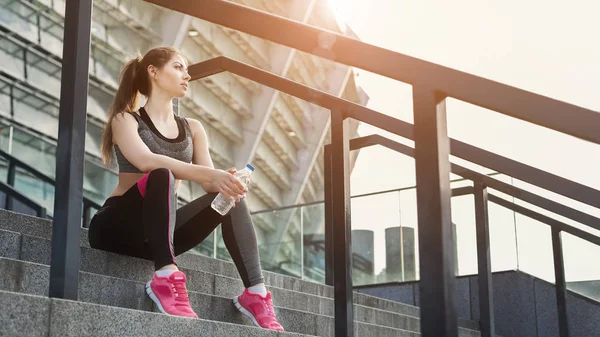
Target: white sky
x,y
547,47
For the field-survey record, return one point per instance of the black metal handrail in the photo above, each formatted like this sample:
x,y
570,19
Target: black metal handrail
x,y
481,182
456,192
524,105
10,194
498,163
502,164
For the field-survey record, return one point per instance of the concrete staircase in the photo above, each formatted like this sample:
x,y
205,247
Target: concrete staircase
x,y
112,301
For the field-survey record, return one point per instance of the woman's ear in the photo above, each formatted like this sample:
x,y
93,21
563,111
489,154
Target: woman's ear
x,y
152,71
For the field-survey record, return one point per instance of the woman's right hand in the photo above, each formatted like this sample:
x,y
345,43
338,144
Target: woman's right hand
x,y
228,184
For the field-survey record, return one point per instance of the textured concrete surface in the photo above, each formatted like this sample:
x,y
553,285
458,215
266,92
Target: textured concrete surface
x,y
305,294
78,319
32,278
118,281
24,277
23,315
10,243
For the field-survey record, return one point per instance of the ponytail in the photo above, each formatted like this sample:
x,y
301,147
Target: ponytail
x,y
126,99
133,82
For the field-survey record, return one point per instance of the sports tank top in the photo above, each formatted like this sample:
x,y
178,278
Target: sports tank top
x,y
180,148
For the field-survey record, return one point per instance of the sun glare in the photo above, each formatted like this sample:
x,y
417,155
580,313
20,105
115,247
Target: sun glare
x,y
342,10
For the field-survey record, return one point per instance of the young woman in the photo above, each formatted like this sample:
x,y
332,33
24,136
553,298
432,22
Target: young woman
x,y
155,150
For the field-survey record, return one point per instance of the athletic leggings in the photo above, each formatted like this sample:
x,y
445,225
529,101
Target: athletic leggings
x,y
145,222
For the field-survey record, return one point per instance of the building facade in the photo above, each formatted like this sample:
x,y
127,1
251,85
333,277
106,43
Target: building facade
x,y
280,135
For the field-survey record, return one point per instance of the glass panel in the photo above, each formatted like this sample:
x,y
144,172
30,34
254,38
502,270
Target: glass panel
x,y
313,224
582,272
465,234
280,250
534,245
409,231
372,217
40,192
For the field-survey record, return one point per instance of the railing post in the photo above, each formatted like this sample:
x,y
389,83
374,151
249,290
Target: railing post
x,y
328,216
486,290
64,267
87,211
10,181
436,246
342,240
561,284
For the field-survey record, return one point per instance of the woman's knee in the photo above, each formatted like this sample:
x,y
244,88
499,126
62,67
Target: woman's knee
x,y
241,207
157,177
161,174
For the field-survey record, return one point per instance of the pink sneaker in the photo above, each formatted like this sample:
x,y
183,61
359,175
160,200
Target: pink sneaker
x,y
259,309
170,295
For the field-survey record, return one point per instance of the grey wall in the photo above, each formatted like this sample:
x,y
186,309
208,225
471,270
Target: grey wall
x,y
524,306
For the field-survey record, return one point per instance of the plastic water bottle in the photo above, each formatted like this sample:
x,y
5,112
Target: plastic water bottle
x,y
221,204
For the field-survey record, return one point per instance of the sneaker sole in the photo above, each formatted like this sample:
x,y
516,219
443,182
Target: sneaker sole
x,y
245,312
157,302
155,299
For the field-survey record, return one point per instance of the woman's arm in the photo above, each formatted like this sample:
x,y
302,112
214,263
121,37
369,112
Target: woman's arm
x,y
201,153
125,135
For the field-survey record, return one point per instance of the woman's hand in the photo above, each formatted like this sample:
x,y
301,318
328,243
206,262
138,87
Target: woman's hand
x,y
233,170
227,184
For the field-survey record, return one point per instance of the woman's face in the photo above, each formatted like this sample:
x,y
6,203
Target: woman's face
x,y
173,77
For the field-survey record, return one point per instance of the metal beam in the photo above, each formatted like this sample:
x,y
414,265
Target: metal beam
x,y
329,232
484,264
545,219
561,283
436,242
263,105
536,200
511,101
523,172
342,241
66,227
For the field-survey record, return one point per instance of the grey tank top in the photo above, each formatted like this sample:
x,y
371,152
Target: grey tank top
x,y
180,148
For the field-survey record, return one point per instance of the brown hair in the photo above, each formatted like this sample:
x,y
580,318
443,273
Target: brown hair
x,y
133,81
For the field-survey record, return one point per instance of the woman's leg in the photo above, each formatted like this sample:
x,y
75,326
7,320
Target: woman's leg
x,y
117,227
157,189
168,286
196,220
139,223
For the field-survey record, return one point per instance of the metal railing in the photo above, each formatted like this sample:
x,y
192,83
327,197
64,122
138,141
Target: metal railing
x,y
11,194
480,184
14,163
440,275
432,84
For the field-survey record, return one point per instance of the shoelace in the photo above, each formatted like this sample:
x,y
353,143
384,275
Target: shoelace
x,y
180,291
269,304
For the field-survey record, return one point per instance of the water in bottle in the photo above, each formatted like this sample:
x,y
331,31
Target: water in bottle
x,y
221,204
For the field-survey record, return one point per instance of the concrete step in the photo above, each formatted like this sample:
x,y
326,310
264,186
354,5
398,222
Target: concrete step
x,y
37,316
95,261
210,281
37,250
32,279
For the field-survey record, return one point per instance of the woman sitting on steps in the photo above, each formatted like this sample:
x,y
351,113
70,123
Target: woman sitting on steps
x,y
155,149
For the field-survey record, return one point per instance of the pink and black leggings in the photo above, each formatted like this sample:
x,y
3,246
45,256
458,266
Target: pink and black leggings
x,y
145,222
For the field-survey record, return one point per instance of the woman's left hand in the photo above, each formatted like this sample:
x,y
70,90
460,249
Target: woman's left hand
x,y
233,170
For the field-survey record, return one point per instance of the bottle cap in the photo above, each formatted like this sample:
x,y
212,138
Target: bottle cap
x,y
250,167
